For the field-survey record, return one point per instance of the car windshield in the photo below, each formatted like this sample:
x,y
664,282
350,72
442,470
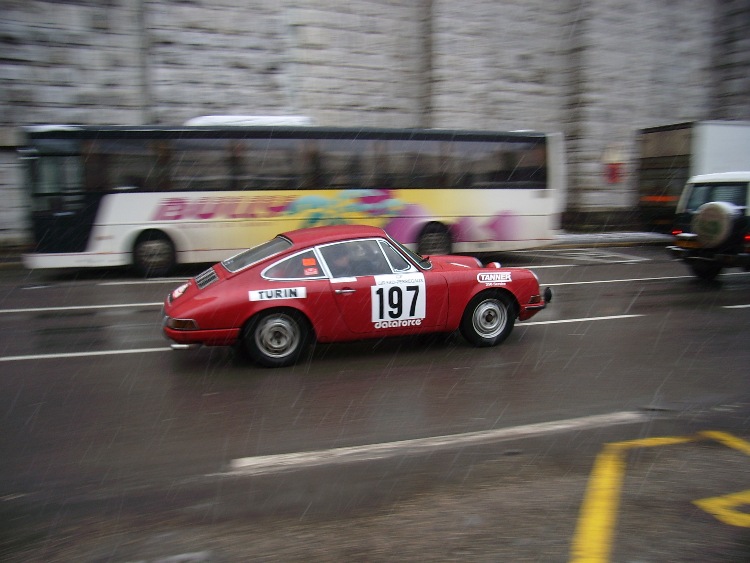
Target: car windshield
x,y
421,261
256,254
731,192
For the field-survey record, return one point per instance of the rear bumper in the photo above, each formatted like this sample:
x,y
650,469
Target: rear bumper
x,y
741,259
187,339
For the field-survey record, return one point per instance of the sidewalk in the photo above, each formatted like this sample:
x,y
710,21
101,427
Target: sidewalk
x,y
10,256
612,239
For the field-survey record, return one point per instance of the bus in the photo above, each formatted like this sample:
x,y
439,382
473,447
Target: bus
x,y
153,197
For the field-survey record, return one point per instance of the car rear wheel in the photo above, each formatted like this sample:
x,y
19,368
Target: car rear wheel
x,y
276,338
488,319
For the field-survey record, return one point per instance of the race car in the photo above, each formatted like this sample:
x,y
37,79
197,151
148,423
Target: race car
x,y
344,283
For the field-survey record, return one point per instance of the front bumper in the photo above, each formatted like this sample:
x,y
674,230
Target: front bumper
x,y
529,310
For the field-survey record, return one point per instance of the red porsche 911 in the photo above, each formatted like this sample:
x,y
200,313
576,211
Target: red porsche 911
x,y
342,283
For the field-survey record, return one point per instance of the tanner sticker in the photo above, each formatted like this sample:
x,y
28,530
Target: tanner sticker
x,y
494,278
281,293
398,300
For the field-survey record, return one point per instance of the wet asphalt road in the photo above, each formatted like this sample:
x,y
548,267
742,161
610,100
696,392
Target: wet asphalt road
x,y
614,425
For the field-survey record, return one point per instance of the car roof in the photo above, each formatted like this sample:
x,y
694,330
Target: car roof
x,y
321,235
739,176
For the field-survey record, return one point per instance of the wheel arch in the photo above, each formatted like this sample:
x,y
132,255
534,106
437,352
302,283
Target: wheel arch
x,y
280,308
177,239
494,291
435,226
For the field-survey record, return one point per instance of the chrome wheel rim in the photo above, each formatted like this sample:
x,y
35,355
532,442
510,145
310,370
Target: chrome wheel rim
x,y
277,336
489,318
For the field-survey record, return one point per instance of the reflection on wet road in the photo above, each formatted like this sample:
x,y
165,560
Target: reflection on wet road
x,y
103,424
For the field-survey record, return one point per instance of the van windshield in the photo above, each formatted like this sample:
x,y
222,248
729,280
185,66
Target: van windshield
x,y
731,192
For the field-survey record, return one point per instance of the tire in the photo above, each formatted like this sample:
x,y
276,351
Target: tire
x,y
154,254
276,338
714,223
705,270
488,319
434,240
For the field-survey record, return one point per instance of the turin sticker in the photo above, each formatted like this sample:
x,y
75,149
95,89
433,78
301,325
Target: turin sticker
x,y
281,293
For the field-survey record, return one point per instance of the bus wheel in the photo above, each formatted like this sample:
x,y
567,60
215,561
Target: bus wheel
x,y
154,254
276,338
434,240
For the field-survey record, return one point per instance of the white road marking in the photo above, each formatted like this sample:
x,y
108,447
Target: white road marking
x,y
581,320
259,465
629,280
79,308
735,306
82,354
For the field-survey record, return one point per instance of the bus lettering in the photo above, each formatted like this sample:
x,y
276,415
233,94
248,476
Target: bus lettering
x,y
180,209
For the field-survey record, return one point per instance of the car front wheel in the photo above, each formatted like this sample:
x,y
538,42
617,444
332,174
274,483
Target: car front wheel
x,y
276,338
488,319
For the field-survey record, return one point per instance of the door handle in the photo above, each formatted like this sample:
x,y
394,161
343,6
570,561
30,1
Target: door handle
x,y
343,291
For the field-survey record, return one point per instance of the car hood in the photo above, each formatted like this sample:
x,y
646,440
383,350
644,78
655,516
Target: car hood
x,y
453,262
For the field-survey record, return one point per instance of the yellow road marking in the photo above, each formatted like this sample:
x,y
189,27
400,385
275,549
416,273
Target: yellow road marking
x,y
592,541
596,523
728,440
725,508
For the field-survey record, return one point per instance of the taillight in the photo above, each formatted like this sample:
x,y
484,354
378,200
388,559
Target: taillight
x,y
676,232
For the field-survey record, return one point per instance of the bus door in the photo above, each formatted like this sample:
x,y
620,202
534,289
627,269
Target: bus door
x,y
62,211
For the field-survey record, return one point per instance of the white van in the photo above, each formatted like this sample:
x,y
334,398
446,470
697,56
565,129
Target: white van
x,y
711,227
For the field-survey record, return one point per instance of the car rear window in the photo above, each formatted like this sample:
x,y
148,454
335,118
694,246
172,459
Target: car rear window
x,y
256,254
731,192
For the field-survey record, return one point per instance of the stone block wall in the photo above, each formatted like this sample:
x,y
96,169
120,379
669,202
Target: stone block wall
x,y
596,70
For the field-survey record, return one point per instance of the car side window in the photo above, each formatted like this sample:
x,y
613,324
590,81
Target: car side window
x,y
397,261
355,258
300,266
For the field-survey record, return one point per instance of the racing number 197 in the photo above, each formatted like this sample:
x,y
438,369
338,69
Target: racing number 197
x,y
392,299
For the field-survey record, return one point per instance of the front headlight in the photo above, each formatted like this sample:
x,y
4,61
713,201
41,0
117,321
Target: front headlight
x,y
180,324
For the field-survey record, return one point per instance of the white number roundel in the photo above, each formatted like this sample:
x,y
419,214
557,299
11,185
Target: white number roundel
x,y
398,297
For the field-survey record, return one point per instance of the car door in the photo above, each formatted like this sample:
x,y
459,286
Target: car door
x,y
377,291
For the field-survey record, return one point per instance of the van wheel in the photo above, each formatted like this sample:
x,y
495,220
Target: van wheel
x,y
706,271
154,254
434,240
